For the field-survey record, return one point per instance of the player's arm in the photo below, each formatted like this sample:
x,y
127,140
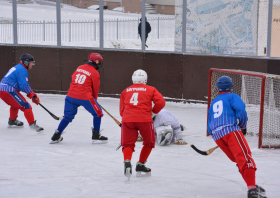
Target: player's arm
x,y
209,121
23,82
95,87
121,104
25,87
158,101
238,105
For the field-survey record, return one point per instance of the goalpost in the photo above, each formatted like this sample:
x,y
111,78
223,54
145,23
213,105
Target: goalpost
x,y
261,94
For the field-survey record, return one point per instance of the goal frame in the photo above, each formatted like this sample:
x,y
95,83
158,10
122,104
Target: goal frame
x,y
262,97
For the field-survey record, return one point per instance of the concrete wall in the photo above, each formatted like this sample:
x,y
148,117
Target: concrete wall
x,y
165,9
174,75
131,6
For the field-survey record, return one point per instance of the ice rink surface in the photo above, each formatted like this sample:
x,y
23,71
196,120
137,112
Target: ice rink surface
x,y
30,167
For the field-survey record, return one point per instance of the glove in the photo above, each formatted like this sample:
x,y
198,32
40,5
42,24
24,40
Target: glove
x,y
30,95
244,131
182,127
35,99
180,141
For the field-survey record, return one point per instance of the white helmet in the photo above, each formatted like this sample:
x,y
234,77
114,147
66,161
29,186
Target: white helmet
x,y
139,77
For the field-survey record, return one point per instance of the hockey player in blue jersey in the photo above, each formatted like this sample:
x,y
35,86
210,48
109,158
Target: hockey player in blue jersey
x,y
14,81
226,117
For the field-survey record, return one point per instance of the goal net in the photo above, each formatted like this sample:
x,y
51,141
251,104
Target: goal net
x,y
261,94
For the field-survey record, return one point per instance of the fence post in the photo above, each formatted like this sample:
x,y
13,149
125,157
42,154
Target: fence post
x,y
44,30
69,30
143,24
101,21
58,23
94,30
15,22
137,27
184,24
270,5
158,27
117,29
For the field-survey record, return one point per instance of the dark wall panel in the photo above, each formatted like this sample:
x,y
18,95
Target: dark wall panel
x,y
249,64
165,72
45,74
273,67
118,68
8,59
196,71
173,75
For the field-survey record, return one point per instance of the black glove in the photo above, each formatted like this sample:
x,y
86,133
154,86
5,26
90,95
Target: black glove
x,y
244,131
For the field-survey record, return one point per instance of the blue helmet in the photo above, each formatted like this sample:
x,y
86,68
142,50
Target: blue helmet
x,y
224,83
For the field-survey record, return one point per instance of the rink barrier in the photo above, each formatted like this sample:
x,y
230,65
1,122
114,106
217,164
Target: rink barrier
x,y
176,76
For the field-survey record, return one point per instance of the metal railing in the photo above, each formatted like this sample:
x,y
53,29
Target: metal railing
x,y
44,32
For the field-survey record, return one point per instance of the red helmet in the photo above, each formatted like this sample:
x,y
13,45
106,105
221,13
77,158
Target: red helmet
x,y
95,58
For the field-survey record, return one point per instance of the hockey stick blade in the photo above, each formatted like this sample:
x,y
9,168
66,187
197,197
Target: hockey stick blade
x,y
208,152
54,116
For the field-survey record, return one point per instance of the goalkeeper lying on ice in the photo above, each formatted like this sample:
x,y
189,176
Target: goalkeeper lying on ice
x,y
168,129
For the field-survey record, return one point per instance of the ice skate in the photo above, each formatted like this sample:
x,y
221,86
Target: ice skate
x,y
97,138
127,169
142,170
35,127
260,189
165,139
256,193
56,138
15,122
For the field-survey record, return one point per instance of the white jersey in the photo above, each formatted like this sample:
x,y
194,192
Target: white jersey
x,y
165,118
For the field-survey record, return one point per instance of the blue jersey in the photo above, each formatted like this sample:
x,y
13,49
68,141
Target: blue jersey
x,y
16,80
223,114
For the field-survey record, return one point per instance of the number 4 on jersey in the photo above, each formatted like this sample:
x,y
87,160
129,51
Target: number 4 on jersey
x,y
134,99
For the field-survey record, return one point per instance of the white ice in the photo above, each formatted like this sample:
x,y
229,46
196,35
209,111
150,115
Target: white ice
x,y
30,167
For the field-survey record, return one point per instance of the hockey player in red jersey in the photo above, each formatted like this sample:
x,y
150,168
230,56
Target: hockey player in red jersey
x,y
83,91
135,110
226,117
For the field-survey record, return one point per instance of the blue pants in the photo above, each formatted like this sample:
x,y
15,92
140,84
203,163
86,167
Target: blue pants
x,y
71,109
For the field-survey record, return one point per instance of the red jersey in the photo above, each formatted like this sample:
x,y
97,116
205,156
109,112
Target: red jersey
x,y
136,103
85,83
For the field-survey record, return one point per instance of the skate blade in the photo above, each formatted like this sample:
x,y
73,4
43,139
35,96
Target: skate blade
x,y
180,143
56,141
39,130
15,126
139,140
99,141
127,173
143,174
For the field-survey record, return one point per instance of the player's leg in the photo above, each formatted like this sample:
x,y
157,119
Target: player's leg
x,y
70,110
164,135
18,102
93,107
147,131
129,134
247,167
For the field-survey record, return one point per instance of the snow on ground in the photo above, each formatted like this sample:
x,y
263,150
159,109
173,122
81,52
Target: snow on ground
x,y
31,167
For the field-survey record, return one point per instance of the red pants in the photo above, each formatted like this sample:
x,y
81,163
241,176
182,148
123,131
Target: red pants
x,y
130,134
237,149
17,102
